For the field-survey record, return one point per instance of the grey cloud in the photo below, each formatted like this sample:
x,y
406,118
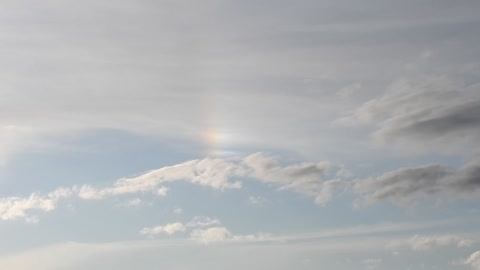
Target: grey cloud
x,y
432,182
430,113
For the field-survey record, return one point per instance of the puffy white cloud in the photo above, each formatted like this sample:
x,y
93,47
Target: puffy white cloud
x,y
474,260
12,208
424,243
211,235
203,222
204,230
169,229
221,234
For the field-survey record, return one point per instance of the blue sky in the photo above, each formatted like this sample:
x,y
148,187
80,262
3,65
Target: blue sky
x,y
187,135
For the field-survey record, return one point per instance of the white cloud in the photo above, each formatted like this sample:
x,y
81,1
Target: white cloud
x,y
474,260
204,230
199,221
425,243
221,234
211,235
216,173
172,228
168,229
12,208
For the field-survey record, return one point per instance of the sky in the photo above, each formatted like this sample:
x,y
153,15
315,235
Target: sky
x,y
228,134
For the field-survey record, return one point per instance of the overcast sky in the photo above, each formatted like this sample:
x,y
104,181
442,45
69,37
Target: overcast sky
x,y
228,134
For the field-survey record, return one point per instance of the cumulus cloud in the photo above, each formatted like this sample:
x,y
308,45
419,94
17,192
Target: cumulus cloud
x,y
211,235
168,229
425,112
12,208
425,243
204,230
222,234
409,185
203,222
474,260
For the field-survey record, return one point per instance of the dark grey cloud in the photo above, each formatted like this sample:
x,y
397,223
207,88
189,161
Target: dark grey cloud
x,y
436,182
426,112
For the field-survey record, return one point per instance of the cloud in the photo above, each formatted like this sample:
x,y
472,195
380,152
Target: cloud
x,y
258,200
204,230
12,208
373,263
222,234
168,229
199,221
172,228
474,260
211,235
425,112
409,185
305,178
425,243
221,174
178,211
212,172
216,173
